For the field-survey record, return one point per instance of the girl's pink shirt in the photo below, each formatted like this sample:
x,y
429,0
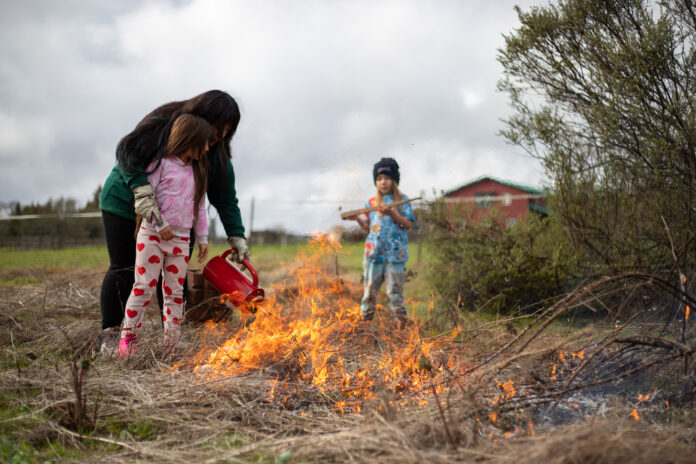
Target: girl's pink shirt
x,y
175,189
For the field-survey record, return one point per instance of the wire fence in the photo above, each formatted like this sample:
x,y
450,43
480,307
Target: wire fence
x,y
265,221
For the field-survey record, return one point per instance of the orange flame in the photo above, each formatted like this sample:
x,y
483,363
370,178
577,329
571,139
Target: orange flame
x,y
308,332
553,372
509,388
634,414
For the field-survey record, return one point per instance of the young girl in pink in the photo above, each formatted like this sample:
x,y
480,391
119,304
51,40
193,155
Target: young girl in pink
x,y
179,182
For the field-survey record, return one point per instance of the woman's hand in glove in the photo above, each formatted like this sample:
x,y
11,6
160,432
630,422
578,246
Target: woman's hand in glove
x,y
145,204
239,244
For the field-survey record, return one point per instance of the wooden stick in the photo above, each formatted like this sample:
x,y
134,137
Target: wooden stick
x,y
355,212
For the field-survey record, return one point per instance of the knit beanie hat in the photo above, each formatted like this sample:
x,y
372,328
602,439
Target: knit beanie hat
x,y
387,166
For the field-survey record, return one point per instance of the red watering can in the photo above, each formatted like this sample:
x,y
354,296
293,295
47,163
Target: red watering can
x,y
229,280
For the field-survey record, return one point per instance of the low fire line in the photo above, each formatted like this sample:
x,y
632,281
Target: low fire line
x,y
309,345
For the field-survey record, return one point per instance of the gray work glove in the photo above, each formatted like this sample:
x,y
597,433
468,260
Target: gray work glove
x,y
145,204
239,244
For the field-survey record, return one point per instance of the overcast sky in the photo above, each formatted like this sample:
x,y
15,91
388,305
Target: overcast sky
x,y
326,88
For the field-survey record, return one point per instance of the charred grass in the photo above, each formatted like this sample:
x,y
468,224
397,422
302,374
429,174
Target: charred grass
x,y
497,390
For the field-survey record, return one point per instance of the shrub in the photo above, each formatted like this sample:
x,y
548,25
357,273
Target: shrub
x,y
478,261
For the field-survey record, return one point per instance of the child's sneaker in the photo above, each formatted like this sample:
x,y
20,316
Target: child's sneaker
x,y
108,341
127,345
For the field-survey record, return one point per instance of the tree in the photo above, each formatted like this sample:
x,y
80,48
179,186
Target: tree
x,y
57,221
93,203
604,94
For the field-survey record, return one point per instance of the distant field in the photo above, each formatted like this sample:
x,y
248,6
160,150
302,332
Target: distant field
x,y
350,256
265,258
96,256
48,259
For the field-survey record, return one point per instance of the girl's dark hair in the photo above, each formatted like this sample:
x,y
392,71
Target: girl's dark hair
x,y
148,141
192,132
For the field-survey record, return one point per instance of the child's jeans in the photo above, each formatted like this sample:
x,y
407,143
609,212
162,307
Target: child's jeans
x,y
393,275
152,257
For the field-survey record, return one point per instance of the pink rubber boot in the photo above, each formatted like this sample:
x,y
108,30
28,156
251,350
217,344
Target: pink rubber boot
x,y
127,345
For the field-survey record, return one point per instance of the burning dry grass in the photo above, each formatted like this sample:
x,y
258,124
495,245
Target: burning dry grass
x,y
307,378
308,333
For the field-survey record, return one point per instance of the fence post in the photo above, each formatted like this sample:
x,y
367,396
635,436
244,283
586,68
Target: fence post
x,y
251,223
420,232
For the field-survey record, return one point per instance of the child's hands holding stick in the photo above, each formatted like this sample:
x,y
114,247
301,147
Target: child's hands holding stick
x,y
385,210
395,215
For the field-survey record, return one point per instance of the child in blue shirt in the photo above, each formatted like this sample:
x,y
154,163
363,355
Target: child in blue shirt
x,y
386,245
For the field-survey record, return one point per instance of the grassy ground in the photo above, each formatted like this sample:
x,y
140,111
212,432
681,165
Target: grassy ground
x,y
434,398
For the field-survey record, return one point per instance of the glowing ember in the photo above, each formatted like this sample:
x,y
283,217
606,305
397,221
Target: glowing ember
x,y
308,331
509,388
553,373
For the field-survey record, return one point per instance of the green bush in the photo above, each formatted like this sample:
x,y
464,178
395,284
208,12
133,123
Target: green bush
x,y
479,261
599,95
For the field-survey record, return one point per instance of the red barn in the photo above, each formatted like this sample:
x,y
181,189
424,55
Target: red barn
x,y
514,200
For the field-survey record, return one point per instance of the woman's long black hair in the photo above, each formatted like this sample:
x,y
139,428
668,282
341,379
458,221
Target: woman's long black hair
x,y
148,141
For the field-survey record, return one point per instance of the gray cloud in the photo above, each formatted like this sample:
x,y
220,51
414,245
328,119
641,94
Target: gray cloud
x,y
326,88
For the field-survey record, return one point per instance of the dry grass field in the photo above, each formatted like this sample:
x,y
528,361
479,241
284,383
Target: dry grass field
x,y
307,382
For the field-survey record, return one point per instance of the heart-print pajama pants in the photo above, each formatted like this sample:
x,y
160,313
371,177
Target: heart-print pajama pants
x,y
154,255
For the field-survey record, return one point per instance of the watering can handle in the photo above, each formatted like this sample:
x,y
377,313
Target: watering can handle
x,y
245,263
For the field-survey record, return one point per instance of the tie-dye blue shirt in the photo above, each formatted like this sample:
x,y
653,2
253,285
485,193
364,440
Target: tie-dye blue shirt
x,y
387,241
